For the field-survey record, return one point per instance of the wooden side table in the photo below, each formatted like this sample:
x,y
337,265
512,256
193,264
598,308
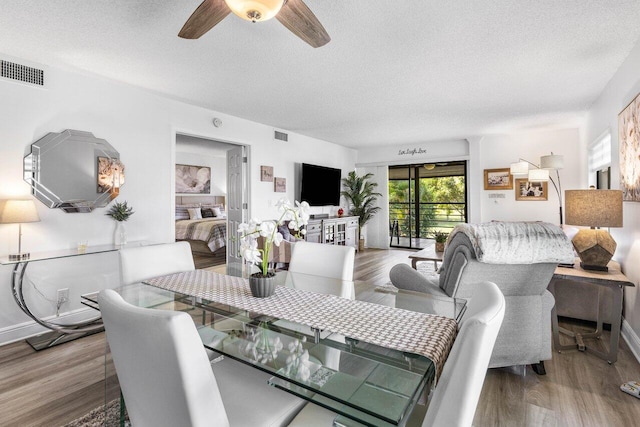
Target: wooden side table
x,y
613,279
427,254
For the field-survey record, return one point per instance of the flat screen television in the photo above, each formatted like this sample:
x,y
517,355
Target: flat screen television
x,y
320,185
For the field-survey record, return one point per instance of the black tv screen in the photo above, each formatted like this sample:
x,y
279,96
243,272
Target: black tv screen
x,y
320,185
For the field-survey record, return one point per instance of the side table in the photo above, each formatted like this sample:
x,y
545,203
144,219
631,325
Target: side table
x,y
427,254
613,279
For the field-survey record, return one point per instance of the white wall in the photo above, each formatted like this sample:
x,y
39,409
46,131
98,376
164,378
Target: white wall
x,y
499,151
602,116
142,126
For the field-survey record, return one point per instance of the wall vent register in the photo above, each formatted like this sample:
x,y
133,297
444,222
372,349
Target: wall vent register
x,y
21,73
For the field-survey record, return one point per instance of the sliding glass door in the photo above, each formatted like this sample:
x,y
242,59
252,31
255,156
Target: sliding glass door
x,y
424,199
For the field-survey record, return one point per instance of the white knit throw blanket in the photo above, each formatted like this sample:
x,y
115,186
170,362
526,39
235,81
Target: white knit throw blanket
x,y
517,242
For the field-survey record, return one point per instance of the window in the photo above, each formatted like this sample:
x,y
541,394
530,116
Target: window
x,y
600,161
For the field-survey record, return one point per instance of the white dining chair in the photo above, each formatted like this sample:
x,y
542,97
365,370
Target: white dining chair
x,y
167,380
455,398
144,262
324,260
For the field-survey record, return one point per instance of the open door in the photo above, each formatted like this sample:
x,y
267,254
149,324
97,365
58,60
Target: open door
x,y
237,201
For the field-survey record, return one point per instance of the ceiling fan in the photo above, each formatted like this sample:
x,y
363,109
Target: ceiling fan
x,y
293,14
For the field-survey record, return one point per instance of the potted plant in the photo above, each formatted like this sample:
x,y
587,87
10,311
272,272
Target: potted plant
x,y
361,196
440,238
120,212
262,283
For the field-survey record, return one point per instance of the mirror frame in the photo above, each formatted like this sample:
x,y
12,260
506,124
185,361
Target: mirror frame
x,y
52,141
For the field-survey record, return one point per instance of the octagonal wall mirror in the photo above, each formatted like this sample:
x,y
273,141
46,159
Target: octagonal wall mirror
x,y
74,171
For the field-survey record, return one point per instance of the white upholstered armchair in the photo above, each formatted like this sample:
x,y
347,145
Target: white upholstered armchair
x,y
520,258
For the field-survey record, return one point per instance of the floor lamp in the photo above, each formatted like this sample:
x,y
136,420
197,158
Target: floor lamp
x,y
542,173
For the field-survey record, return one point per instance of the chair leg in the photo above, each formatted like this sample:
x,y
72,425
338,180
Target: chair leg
x,y
538,368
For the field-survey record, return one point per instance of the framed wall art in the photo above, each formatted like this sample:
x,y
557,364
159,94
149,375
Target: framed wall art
x,y
629,141
280,185
498,179
193,179
531,191
266,173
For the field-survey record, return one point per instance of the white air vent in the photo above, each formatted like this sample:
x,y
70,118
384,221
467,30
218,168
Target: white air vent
x,y
21,73
281,136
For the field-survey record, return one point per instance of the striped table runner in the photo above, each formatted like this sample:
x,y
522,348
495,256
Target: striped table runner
x,y
425,334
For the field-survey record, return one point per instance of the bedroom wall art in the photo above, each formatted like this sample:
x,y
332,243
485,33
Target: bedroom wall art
x,y
629,141
193,179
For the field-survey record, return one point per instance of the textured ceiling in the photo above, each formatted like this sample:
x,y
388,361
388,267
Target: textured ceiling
x,y
394,72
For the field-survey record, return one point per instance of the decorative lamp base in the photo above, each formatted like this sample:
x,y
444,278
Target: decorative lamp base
x,y
262,286
595,248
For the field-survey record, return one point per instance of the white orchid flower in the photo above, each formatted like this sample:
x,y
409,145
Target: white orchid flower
x,y
277,239
267,228
283,203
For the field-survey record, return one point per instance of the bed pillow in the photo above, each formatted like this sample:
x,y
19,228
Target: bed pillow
x,y
207,213
217,212
182,212
194,213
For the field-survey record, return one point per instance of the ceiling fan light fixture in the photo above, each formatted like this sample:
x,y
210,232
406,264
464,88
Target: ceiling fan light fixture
x,y
255,10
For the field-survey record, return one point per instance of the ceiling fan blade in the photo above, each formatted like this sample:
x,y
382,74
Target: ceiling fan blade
x,y
205,17
298,18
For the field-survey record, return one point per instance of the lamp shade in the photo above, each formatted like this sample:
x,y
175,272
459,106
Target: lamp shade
x,y
255,10
593,208
18,211
538,175
552,161
519,168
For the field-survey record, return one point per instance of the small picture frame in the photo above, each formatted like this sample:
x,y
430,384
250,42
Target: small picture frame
x,y
498,179
531,191
280,185
266,173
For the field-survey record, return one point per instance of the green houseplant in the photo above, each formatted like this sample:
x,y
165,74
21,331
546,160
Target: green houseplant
x,y
440,238
120,211
361,197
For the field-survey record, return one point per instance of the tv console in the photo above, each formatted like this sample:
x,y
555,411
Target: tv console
x,y
334,230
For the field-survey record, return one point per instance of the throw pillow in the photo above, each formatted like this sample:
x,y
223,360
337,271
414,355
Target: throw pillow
x,y
182,211
194,213
217,212
207,213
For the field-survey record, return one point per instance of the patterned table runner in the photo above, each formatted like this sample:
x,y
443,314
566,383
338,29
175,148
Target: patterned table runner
x,y
426,334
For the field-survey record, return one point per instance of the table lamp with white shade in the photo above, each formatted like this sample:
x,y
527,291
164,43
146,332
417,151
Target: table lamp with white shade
x,y
594,208
18,212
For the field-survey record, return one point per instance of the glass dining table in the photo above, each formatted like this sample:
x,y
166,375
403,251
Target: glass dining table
x,y
365,384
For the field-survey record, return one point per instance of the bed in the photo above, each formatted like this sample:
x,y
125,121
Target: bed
x,y
206,236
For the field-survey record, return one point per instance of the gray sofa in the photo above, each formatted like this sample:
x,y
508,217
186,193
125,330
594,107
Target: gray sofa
x,y
525,335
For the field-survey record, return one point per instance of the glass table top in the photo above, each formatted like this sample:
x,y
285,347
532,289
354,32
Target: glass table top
x,y
361,381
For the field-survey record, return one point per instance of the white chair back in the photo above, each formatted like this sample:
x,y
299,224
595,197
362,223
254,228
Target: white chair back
x,y
458,390
144,262
164,373
325,260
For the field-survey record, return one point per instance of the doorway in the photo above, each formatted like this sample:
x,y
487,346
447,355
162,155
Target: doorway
x,y
228,171
425,199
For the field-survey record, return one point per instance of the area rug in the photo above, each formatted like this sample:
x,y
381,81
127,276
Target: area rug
x,y
100,418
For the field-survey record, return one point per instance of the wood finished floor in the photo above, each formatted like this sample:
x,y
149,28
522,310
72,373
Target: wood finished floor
x,y
55,386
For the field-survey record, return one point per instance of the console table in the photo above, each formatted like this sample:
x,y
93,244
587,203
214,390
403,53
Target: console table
x,y
334,231
613,279
60,332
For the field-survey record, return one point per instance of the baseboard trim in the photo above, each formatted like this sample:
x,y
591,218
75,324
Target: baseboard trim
x,y
631,338
22,331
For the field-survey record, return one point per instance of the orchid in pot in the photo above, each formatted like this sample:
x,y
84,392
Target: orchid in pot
x,y
297,217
